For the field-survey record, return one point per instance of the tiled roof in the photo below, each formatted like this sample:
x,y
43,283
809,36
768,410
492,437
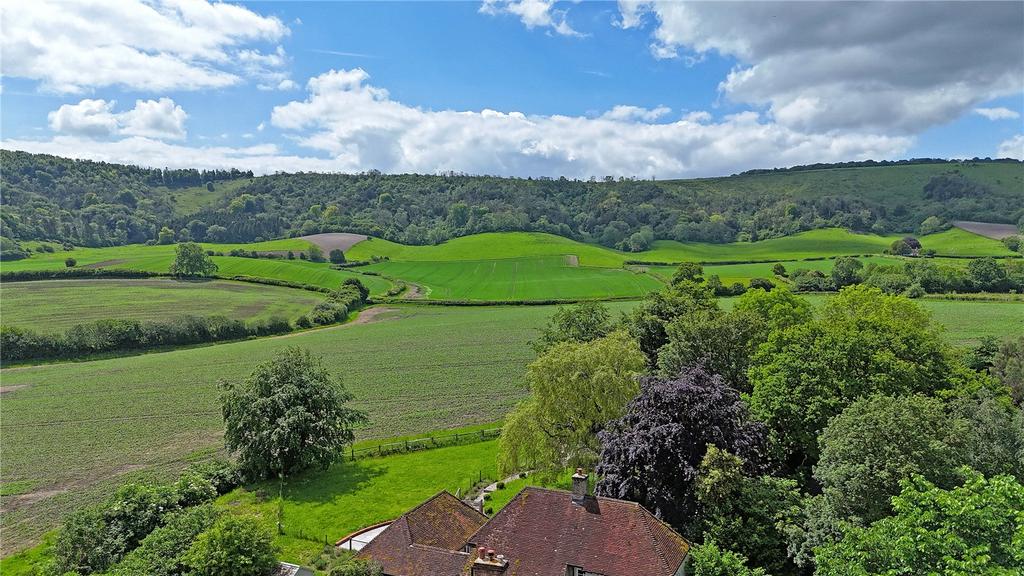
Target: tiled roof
x,y
428,540
541,531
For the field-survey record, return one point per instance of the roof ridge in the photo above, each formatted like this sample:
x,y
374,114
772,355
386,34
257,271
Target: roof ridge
x,y
595,496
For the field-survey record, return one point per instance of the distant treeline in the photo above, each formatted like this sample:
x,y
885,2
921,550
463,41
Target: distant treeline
x,y
97,204
873,163
913,278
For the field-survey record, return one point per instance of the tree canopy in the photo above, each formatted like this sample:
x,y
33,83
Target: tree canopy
x,y
287,416
191,260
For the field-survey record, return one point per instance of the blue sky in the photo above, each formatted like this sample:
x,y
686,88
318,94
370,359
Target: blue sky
x,y
580,89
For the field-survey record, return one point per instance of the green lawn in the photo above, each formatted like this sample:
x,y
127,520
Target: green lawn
x,y
811,244
540,278
159,258
55,305
330,505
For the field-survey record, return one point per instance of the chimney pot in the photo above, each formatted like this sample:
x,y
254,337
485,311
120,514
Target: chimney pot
x,y
579,485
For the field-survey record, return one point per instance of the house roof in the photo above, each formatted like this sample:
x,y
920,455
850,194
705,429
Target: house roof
x,y
540,532
428,540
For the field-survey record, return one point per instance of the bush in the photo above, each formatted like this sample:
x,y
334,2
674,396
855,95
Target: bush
x,y
337,256
762,283
70,262
233,545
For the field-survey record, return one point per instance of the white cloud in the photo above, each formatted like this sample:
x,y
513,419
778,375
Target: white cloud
x,y
361,127
161,119
997,113
818,66
287,84
155,46
532,13
1012,148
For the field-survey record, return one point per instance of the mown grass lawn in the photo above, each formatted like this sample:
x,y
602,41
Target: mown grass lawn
x,y
539,278
55,305
326,506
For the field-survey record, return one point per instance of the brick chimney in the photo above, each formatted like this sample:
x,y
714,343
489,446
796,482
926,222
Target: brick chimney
x,y
579,486
488,563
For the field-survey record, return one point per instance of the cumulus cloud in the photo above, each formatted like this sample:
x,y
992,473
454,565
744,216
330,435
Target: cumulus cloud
x,y
361,127
997,113
161,119
816,66
532,13
155,46
1012,148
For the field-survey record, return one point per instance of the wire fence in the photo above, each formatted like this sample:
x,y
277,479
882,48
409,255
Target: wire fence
x,y
425,443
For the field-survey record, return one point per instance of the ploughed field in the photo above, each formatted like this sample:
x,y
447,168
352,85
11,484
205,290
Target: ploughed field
x,y
55,305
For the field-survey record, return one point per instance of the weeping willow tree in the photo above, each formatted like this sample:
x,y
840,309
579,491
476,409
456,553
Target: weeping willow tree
x,y
575,389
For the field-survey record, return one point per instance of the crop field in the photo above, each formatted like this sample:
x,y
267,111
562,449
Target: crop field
x,y
810,244
67,427
552,277
55,305
159,258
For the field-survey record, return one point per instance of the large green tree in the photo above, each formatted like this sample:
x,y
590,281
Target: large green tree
x,y
191,260
582,322
287,416
236,545
575,389
648,322
863,343
975,528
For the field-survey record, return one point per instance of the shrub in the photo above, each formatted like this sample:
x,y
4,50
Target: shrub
x,y
337,256
233,545
70,262
761,283
501,485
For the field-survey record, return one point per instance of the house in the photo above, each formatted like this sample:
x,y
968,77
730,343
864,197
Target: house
x,y
541,532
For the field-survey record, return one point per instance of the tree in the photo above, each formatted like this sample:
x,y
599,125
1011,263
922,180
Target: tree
x,y
583,322
70,262
216,234
990,434
1008,367
162,552
931,225
237,545
866,451
315,253
652,454
723,341
846,271
900,248
575,389
191,260
165,236
336,256
864,343
287,416
975,528
647,323
708,559
779,269
743,513
778,308
358,286
986,274
761,284
688,272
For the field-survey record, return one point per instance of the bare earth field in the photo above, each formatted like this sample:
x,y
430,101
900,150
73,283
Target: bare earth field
x,y
987,229
334,240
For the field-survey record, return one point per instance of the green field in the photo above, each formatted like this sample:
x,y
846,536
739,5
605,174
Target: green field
x,y
810,244
55,305
540,278
159,258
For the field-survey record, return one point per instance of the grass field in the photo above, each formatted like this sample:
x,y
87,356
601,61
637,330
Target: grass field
x,y
518,279
159,258
810,244
55,305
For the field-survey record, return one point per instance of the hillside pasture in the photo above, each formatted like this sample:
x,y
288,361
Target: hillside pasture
x,y
159,259
552,277
823,243
55,305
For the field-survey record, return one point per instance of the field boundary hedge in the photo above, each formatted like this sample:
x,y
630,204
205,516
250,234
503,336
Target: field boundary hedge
x,y
425,443
544,302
